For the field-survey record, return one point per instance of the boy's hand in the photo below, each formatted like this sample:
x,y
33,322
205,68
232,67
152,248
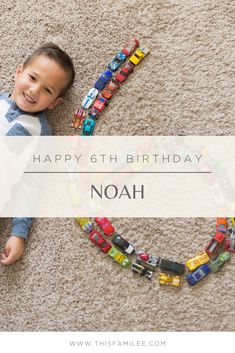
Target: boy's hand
x,y
14,249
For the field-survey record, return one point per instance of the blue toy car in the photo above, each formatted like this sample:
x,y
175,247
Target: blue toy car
x,y
197,275
104,78
117,61
88,127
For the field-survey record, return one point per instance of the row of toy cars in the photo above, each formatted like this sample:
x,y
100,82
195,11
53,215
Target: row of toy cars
x,y
211,260
215,255
97,238
120,249
107,85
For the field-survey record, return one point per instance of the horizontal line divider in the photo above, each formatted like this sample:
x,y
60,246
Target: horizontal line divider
x,y
98,172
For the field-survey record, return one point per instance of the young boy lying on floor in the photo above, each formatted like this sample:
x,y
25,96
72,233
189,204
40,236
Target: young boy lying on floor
x,y
40,84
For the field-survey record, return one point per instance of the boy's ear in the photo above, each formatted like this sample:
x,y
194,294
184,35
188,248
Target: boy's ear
x,y
57,101
19,70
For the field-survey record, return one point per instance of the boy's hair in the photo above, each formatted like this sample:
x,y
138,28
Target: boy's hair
x,y
54,52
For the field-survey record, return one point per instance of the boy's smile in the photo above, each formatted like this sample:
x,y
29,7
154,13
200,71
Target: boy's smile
x,y
38,85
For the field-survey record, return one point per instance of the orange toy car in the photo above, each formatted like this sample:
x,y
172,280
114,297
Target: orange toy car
x,y
78,118
111,88
221,225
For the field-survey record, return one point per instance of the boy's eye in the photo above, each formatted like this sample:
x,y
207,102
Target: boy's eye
x,y
32,77
48,90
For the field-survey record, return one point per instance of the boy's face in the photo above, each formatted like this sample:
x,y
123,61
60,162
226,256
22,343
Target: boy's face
x,y
38,85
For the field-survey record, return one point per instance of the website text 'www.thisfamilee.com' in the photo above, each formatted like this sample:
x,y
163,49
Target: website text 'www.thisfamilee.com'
x,y
117,343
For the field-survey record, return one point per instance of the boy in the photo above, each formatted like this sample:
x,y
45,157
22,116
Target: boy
x,y
40,84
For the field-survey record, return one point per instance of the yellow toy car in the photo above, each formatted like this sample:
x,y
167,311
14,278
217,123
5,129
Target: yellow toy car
x,y
85,224
175,281
197,261
138,55
233,221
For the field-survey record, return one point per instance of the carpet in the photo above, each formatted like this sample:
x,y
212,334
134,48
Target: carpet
x,y
186,86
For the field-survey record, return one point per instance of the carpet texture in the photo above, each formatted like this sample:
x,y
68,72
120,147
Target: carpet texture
x,y
185,86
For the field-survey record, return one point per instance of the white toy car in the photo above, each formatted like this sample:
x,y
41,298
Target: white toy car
x,y
90,97
146,259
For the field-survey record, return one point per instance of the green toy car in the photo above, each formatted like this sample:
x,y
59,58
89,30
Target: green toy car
x,y
119,257
217,263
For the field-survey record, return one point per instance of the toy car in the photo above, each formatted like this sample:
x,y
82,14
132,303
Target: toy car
x,y
232,239
99,104
117,61
139,55
233,221
217,263
230,243
78,118
215,244
94,113
197,275
88,127
105,225
90,97
111,88
221,225
104,78
146,259
197,261
130,46
123,244
172,266
85,224
175,281
124,72
119,257
98,239
143,271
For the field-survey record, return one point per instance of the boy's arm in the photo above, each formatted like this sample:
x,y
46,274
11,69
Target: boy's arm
x,y
21,226
14,247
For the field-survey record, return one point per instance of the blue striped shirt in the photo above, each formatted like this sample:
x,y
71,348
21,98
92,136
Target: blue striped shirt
x,y
16,122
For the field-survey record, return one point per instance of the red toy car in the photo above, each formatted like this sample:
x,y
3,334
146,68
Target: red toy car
x,y
100,104
124,72
230,243
215,244
109,91
78,118
97,239
228,246
131,46
105,225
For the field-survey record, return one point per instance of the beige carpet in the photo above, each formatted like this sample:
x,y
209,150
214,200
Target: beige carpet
x,y
185,86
